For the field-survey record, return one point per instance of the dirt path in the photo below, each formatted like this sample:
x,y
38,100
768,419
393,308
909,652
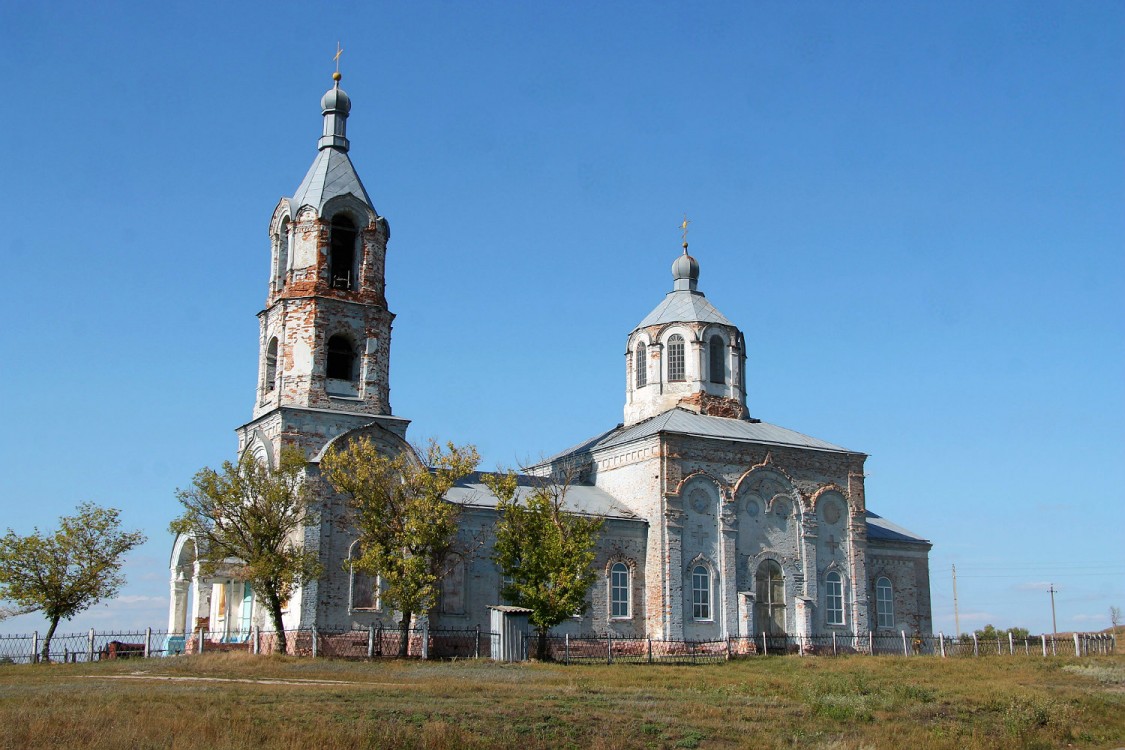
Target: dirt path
x,y
260,681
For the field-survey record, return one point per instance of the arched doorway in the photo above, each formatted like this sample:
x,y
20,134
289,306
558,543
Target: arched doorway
x,y
769,614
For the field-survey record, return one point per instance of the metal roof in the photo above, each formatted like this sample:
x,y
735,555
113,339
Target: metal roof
x,y
331,175
684,306
579,498
680,421
879,528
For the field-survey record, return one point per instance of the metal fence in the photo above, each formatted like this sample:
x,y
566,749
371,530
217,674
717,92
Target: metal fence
x,y
610,650
600,649
86,647
379,642
373,643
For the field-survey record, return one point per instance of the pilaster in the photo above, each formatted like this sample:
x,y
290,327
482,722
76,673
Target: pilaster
x,y
674,572
728,561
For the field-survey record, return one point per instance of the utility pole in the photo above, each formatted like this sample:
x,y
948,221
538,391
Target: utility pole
x,y
1054,626
956,614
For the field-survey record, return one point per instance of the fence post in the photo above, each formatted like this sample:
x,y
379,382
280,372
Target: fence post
x,y
1043,640
871,642
833,642
609,649
976,645
941,643
148,639
379,638
199,639
371,640
765,645
425,640
1027,645
256,646
566,646
315,644
650,650
90,646
34,648
476,649
1011,645
1077,648
905,652
728,648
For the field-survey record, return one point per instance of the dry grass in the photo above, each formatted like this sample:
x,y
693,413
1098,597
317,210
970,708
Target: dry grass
x,y
280,702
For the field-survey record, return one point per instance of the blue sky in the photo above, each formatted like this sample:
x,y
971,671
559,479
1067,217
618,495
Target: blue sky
x,y
914,212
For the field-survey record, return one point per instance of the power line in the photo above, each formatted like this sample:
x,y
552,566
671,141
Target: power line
x,y
1025,575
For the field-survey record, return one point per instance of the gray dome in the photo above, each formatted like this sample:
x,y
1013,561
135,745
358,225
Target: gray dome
x,y
686,268
335,100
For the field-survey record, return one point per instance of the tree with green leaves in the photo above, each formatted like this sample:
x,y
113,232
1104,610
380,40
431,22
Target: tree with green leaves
x,y
250,518
63,573
992,633
544,552
406,527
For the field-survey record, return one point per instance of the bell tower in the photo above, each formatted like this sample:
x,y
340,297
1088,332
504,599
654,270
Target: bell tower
x,y
325,332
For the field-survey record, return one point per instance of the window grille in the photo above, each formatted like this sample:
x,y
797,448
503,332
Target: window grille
x,y
675,357
701,593
641,365
884,603
619,590
834,587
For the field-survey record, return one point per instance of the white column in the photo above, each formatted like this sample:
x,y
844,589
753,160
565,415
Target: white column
x,y
746,614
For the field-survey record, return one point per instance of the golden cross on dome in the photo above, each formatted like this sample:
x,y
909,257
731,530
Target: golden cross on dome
x,y
683,226
336,57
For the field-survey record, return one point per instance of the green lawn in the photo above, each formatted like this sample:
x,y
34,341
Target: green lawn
x,y
239,701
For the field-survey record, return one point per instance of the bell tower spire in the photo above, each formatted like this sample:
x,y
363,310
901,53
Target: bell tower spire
x,y
326,330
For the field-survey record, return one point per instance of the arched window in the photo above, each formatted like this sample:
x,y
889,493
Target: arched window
x,y
282,253
717,350
364,587
834,598
271,364
619,590
701,593
770,598
341,359
884,603
641,365
675,357
341,253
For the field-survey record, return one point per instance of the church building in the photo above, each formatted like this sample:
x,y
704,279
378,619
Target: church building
x,y
717,524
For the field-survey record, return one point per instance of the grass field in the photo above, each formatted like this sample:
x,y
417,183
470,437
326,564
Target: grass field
x,y
239,701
